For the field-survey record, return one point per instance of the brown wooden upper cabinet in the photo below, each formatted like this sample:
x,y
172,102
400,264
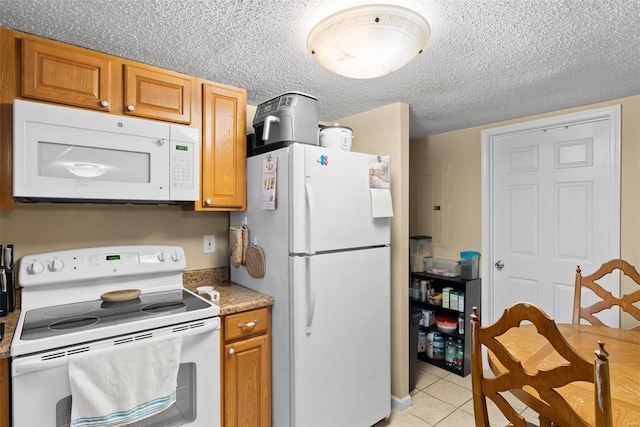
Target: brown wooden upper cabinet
x,y
65,74
70,75
223,168
51,71
155,94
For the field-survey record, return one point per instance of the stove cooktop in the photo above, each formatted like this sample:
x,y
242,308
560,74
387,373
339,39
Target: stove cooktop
x,y
63,319
60,289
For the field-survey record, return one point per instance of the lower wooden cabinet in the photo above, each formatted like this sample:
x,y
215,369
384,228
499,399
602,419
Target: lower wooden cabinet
x,y
4,393
246,368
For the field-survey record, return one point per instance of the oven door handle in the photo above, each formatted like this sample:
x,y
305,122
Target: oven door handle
x,y
29,364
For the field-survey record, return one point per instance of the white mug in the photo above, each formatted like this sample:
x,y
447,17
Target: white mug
x,y
214,295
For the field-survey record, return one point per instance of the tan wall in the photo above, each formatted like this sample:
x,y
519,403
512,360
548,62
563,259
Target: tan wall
x,y
456,158
44,227
385,131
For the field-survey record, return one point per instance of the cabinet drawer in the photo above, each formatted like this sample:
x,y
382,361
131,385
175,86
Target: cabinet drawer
x,y
246,324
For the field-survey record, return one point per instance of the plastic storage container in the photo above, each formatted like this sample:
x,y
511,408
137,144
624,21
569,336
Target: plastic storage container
x,y
442,267
469,264
419,247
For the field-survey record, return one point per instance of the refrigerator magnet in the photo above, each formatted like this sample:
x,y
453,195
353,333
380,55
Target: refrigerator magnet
x,y
269,175
380,187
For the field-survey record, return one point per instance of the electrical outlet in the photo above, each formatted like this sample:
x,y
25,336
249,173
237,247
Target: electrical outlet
x,y
209,244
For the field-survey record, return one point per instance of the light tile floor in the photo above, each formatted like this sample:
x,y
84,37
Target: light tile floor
x,y
444,399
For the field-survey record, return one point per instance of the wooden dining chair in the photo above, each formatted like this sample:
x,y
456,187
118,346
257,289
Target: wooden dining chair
x,y
607,300
551,406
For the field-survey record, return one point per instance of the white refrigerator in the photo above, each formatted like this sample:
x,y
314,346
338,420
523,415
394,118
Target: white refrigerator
x,y
328,268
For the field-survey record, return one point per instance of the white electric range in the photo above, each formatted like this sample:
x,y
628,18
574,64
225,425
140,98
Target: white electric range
x,y
63,314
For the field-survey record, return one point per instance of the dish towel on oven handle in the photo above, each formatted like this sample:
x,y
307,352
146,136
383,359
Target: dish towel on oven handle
x,y
127,383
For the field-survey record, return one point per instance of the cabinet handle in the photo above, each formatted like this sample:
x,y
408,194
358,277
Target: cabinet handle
x,y
104,103
248,325
231,350
207,202
130,107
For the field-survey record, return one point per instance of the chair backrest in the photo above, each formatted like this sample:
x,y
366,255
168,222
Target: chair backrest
x,y
544,381
607,300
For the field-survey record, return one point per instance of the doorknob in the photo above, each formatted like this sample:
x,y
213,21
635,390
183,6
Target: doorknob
x,y
499,265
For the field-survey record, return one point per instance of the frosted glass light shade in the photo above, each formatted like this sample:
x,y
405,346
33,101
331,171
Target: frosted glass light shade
x,y
368,41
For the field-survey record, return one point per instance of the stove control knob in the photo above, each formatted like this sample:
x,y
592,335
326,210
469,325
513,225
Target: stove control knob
x,y
176,257
162,256
56,265
35,268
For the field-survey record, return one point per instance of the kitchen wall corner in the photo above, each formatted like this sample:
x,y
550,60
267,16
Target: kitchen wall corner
x,y
385,131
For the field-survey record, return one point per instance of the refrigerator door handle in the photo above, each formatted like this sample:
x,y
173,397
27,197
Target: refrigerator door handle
x,y
312,207
311,297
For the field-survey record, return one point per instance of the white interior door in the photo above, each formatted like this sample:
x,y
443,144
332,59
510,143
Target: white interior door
x,y
552,203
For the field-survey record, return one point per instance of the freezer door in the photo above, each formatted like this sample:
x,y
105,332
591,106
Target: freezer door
x,y
341,365
331,202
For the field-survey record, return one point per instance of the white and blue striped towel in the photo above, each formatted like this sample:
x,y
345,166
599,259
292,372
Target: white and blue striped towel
x,y
127,383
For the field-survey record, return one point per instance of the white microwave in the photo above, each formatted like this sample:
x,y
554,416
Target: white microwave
x,y
71,155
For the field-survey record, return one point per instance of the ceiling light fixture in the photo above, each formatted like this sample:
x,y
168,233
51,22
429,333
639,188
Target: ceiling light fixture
x,y
368,41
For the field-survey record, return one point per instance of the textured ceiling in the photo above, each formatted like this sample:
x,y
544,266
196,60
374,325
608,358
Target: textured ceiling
x,y
486,61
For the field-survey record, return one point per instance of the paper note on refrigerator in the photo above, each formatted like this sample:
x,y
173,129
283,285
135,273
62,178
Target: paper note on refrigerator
x,y
380,187
269,174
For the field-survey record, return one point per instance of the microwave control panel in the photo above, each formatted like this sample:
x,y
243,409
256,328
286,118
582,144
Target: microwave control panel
x,y
184,163
182,160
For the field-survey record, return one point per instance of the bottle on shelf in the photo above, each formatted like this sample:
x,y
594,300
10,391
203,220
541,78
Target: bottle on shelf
x,y
415,287
450,352
459,355
438,346
423,290
461,324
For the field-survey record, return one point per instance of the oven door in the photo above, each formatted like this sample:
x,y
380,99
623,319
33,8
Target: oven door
x,y
41,394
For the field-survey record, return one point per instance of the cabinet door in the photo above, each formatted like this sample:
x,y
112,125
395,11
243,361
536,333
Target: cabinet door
x,y
247,382
65,74
4,393
8,93
223,185
157,94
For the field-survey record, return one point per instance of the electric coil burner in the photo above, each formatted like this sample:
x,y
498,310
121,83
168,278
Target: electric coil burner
x,y
63,314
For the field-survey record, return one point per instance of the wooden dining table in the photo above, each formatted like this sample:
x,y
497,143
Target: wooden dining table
x,y
623,347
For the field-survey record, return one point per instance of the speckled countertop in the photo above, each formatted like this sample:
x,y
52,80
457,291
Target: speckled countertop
x,y
234,298
10,321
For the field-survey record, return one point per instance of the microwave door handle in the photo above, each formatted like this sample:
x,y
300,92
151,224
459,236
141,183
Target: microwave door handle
x,y
267,126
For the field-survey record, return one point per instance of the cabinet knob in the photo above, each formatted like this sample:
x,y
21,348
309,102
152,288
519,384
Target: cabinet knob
x,y
130,107
231,350
247,325
207,202
104,103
